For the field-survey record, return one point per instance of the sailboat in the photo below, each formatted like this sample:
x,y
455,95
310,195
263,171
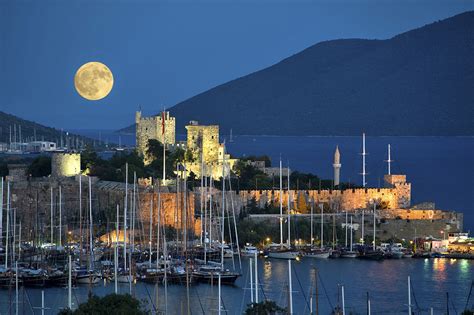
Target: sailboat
x,y
283,251
349,253
84,276
315,252
214,271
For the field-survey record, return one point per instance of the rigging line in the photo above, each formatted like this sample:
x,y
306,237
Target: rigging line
x,y
454,307
235,224
260,284
243,296
301,287
414,296
325,291
151,300
469,296
230,234
199,299
28,299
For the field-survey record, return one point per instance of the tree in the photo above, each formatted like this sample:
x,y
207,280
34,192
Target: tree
x,y
3,169
264,308
109,304
41,166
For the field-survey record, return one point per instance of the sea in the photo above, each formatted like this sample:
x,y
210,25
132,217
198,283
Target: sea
x,y
441,171
439,284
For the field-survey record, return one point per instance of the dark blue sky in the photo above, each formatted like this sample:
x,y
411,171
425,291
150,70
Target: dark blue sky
x,y
162,52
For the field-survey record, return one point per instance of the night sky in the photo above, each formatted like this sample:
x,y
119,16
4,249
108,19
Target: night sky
x,y
162,52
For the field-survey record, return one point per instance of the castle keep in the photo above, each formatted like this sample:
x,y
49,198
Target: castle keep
x,y
205,149
161,127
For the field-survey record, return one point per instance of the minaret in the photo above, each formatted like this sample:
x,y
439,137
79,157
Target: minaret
x,y
389,161
337,166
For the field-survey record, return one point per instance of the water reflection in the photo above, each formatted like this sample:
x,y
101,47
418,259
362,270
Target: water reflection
x,y
439,266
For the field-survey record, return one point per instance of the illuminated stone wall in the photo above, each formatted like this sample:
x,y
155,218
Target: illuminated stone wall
x,y
348,199
151,128
203,140
32,201
65,164
203,143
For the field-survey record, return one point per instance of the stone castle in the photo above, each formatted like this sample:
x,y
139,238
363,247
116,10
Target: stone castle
x,y
160,127
206,151
202,145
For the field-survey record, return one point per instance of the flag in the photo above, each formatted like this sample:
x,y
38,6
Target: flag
x,y
163,123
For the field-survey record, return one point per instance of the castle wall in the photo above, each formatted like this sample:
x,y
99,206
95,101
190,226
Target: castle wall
x,y
388,224
32,201
348,199
203,140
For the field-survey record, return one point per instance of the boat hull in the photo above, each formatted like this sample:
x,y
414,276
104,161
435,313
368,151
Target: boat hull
x,y
283,255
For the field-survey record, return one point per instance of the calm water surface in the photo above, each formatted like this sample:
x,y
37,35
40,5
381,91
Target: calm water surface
x,y
385,281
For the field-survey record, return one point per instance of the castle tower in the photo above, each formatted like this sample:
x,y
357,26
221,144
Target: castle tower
x,y
160,127
337,166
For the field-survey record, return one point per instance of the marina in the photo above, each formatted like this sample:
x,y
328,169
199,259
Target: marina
x,y
385,281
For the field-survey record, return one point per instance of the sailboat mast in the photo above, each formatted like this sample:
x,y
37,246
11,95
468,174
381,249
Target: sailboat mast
x,y
362,229
202,194
164,144
90,225
322,225
51,214
373,246
288,210
116,249
80,216
8,225
281,206
290,289
1,213
363,161
351,235
125,219
311,225
60,217
345,227
409,296
222,210
151,226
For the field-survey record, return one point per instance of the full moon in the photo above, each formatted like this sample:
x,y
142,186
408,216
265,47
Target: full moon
x,y
93,81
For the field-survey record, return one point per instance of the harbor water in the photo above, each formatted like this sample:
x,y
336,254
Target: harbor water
x,y
385,281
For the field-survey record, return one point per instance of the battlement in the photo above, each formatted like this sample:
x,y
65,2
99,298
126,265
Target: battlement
x,y
395,197
394,179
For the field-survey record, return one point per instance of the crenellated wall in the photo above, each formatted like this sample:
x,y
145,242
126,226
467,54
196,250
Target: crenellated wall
x,y
348,199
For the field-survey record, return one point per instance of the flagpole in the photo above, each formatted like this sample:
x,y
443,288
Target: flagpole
x,y
163,115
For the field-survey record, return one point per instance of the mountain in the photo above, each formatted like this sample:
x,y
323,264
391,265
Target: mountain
x,y
29,129
417,83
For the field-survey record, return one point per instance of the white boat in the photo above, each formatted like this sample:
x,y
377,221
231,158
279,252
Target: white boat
x,y
249,251
283,254
124,278
348,254
317,253
87,278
